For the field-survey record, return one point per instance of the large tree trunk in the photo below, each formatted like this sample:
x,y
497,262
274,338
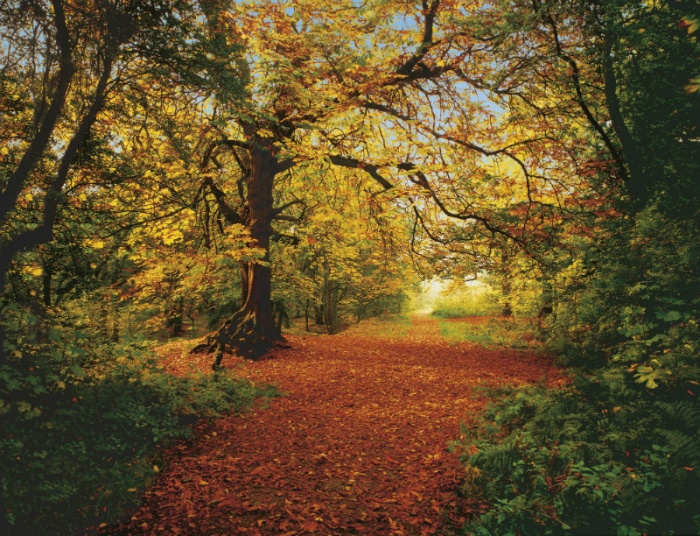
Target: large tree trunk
x,y
251,331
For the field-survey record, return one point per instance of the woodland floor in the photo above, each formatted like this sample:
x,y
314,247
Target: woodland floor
x,y
358,444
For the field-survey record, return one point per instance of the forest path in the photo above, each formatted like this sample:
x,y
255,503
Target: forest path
x,y
357,445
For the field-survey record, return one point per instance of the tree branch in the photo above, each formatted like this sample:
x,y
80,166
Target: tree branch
x,y
430,11
36,148
279,210
353,163
581,101
225,209
44,232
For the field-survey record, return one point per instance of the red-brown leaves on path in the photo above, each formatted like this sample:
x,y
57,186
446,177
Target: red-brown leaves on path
x,y
357,445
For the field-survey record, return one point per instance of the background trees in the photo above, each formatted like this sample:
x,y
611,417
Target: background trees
x,y
605,453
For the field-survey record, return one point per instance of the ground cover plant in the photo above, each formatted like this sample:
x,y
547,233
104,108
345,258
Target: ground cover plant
x,y
81,442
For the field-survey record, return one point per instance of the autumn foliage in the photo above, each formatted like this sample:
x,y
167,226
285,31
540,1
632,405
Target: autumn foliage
x,y
358,444
195,180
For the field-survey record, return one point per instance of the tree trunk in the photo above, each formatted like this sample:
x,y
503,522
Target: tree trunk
x,y
319,314
330,300
174,317
637,184
251,331
46,284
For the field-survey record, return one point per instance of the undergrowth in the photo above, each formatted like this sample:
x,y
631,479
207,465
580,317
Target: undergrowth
x,y
82,430
565,462
615,452
494,332
459,300
446,308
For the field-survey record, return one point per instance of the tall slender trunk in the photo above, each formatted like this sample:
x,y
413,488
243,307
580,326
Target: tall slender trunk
x,y
637,183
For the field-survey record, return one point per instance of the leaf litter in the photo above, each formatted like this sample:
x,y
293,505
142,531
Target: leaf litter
x,y
358,444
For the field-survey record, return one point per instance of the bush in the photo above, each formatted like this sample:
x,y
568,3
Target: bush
x,y
459,300
505,332
617,451
592,458
79,446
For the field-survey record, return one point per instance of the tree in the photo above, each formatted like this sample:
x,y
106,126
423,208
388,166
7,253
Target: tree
x,y
403,102
69,61
48,26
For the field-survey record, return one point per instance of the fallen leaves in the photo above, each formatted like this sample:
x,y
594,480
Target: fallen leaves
x,y
358,445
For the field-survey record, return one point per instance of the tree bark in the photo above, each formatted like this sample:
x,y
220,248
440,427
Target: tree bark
x,y
251,331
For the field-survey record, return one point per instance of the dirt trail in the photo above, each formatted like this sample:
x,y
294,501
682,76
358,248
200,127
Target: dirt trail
x,y
357,445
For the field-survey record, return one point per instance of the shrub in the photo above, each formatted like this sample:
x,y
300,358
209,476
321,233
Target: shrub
x,y
79,444
592,458
460,300
617,451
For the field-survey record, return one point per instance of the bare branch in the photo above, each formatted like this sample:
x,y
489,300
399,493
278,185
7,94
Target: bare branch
x,y
284,207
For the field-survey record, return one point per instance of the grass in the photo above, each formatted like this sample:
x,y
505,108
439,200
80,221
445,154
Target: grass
x,y
507,333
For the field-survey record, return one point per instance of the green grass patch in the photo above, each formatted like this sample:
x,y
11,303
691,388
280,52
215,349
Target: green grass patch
x,y
462,301
79,447
492,332
464,310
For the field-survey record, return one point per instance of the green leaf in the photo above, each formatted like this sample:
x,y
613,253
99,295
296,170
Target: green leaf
x,y
77,371
54,335
669,316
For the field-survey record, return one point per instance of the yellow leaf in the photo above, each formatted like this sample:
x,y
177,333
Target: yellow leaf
x,y
34,270
4,151
82,197
691,24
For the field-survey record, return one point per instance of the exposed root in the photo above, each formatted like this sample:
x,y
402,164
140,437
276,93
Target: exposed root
x,y
240,335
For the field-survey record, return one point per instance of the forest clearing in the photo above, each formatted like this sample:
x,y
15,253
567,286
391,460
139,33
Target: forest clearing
x,y
336,267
